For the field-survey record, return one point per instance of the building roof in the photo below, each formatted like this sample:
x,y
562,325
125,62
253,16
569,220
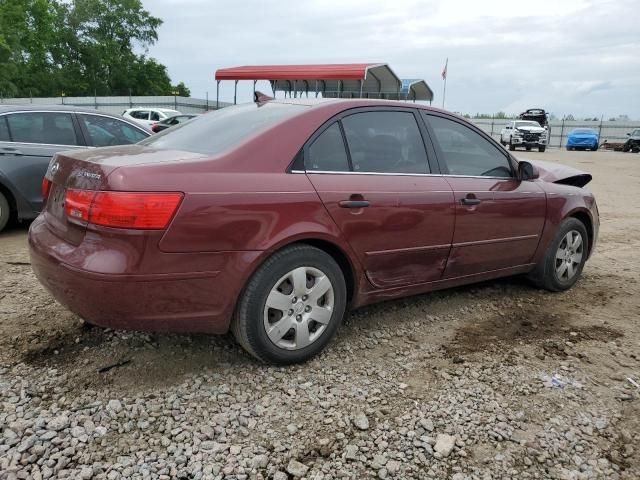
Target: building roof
x,y
415,89
375,80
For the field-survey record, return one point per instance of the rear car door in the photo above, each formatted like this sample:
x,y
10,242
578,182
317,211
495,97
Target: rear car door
x,y
499,219
370,168
104,131
34,138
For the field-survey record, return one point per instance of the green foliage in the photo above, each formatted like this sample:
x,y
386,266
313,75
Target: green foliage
x,y
79,47
181,90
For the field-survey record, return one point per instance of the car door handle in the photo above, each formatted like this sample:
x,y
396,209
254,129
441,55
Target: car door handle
x,y
10,151
470,201
354,203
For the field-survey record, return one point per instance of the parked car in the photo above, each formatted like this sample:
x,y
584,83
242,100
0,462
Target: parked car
x,y
31,135
537,115
272,219
524,133
149,116
171,121
583,139
633,142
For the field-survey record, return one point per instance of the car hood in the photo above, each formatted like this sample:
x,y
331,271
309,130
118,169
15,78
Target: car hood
x,y
558,173
531,129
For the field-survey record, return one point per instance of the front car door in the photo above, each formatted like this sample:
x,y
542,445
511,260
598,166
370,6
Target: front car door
x,y
370,168
34,137
499,219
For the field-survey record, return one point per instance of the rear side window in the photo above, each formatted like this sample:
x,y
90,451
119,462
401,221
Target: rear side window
x,y
42,127
140,114
327,152
466,152
106,131
385,142
155,116
4,130
223,129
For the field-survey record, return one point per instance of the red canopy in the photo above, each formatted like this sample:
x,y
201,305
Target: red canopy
x,y
347,71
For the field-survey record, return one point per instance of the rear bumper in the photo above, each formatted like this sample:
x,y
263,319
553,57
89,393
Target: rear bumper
x,y
176,300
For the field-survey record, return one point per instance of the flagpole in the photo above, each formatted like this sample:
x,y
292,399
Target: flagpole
x,y
444,77
444,91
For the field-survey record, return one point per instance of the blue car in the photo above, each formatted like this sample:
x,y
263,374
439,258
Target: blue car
x,y
583,139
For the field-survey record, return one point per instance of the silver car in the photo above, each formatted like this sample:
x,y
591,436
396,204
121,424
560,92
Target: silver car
x,y
31,135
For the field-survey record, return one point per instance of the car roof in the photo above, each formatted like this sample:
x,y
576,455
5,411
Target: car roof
x,y
357,102
52,108
152,108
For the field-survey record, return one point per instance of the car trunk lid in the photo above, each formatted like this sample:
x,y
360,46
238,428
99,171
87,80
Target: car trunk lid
x,y
90,170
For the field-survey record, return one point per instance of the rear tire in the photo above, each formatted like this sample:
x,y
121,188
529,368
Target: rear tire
x,y
594,148
279,318
542,149
562,264
5,212
528,148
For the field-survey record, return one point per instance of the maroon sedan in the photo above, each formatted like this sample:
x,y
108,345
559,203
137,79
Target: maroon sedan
x,y
271,219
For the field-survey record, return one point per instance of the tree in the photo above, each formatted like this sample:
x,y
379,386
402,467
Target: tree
x,y
569,118
181,90
79,47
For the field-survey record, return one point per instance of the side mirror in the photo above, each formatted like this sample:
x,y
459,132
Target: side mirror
x,y
526,171
628,134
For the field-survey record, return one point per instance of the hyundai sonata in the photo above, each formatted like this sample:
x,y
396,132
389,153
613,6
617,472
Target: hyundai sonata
x,y
271,219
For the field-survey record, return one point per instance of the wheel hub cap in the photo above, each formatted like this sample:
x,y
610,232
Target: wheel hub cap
x,y
298,308
569,256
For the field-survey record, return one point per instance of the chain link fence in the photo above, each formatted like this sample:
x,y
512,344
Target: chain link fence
x,y
118,105
611,131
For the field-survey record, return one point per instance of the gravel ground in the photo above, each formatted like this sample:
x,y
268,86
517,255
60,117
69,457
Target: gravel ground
x,y
496,380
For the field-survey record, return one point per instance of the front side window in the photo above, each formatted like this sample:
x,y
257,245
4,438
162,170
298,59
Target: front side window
x,y
385,142
327,152
466,152
42,127
106,131
155,116
4,130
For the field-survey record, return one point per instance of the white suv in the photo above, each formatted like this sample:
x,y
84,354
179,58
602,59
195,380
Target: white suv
x,y
524,133
149,116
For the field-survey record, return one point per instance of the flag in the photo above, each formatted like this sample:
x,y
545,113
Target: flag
x,y
444,72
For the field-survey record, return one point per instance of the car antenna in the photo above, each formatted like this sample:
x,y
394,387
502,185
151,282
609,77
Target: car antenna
x,y
260,97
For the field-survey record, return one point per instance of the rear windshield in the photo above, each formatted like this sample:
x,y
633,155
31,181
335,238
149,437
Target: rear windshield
x,y
584,130
221,130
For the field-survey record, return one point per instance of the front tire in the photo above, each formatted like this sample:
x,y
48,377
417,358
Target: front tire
x,y
542,149
291,307
5,212
512,147
564,259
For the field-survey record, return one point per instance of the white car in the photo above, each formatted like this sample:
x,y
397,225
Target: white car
x,y
524,133
149,116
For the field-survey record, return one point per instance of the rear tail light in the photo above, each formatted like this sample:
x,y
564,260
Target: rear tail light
x,y
46,188
155,127
135,210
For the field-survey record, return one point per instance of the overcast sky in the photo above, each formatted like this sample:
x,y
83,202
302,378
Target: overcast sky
x,y
568,56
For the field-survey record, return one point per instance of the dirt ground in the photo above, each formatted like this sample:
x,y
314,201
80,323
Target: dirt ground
x,y
589,335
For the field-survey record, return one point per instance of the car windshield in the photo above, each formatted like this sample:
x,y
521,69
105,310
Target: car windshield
x,y
220,130
527,124
588,131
